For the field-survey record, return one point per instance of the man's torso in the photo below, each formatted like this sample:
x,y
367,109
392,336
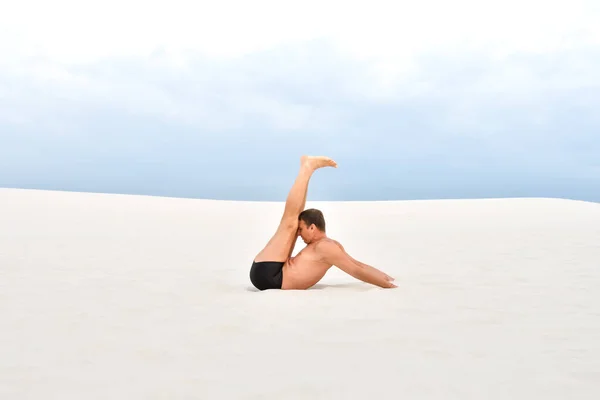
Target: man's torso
x,y
305,269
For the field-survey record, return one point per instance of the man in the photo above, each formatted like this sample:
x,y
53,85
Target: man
x,y
274,268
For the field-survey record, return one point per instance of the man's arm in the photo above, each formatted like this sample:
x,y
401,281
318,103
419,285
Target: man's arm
x,y
333,254
373,269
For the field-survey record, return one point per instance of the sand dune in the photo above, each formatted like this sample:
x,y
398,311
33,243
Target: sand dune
x,y
137,297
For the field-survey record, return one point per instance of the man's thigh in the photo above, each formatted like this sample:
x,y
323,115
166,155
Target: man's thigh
x,y
279,246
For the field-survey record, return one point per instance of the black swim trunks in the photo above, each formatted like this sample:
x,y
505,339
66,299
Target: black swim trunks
x,y
267,274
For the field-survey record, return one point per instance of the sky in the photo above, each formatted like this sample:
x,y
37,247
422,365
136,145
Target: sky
x,y
205,99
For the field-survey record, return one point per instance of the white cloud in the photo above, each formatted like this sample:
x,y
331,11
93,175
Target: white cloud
x,y
208,63
72,31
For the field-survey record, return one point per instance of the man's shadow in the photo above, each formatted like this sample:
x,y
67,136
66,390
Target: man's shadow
x,y
325,286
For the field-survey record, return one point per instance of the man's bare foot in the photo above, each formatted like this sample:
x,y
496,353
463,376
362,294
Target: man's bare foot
x,y
316,162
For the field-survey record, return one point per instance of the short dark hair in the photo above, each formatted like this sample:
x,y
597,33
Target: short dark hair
x,y
313,216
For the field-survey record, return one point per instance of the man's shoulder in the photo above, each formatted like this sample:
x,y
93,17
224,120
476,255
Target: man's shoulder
x,y
328,245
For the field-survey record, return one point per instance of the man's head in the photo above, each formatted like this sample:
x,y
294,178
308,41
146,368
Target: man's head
x,y
311,225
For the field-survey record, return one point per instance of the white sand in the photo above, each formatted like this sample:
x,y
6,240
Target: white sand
x,y
133,297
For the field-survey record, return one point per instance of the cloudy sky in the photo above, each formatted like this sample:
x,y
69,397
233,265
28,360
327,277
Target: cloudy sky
x,y
428,99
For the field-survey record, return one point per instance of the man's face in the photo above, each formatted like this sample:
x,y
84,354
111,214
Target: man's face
x,y
305,232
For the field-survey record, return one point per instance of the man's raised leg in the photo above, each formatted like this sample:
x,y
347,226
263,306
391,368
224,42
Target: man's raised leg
x,y
278,248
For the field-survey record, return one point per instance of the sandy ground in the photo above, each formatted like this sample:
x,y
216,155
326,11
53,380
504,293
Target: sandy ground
x,y
135,297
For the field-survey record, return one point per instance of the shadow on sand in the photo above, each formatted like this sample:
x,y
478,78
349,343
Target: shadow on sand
x,y
324,286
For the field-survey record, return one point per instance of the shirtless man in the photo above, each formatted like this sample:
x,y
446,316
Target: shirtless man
x,y
274,268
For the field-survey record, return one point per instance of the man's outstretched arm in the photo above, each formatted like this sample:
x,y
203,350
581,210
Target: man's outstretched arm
x,y
375,270
333,254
